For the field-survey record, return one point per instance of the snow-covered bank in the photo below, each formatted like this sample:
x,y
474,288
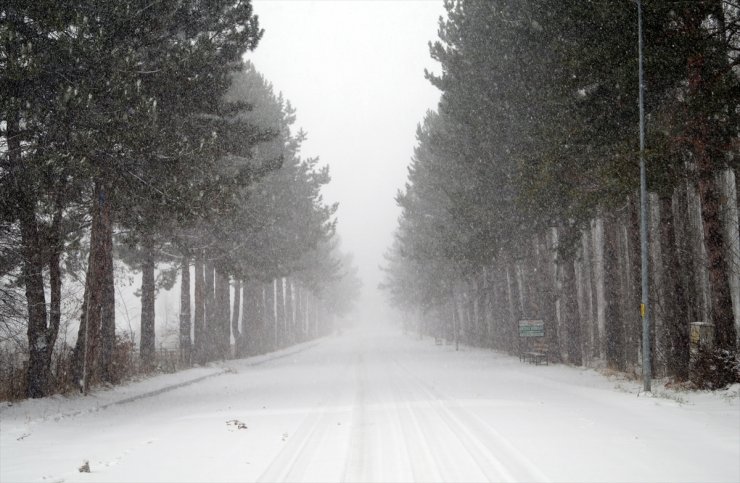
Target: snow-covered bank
x,y
376,406
31,411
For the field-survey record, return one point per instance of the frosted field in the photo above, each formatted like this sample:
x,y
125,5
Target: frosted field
x,y
375,406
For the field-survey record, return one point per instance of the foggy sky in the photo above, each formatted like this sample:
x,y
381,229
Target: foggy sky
x,y
354,70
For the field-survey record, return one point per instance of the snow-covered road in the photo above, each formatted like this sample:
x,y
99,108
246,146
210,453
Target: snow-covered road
x,y
377,406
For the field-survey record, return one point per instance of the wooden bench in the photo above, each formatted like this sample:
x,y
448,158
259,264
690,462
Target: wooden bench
x,y
537,353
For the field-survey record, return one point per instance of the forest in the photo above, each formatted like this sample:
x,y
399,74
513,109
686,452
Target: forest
x,y
522,199
136,139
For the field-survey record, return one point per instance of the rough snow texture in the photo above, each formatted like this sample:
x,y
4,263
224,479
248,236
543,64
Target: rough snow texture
x,y
375,406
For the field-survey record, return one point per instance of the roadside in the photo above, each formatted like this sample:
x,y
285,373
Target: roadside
x,y
21,414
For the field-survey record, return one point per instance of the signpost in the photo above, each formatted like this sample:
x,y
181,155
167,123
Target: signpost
x,y
531,328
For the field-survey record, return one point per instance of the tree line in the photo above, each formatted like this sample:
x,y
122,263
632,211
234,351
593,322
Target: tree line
x,y
522,199
134,134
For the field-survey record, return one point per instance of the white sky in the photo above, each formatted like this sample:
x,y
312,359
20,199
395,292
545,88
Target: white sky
x,y
354,70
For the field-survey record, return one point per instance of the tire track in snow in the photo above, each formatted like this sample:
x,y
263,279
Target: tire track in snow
x,y
422,462
356,467
398,432
300,450
457,439
453,458
497,457
377,450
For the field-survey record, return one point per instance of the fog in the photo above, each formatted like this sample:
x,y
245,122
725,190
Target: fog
x,y
561,279
354,70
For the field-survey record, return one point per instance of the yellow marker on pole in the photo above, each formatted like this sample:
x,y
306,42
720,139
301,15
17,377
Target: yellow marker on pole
x,y
642,310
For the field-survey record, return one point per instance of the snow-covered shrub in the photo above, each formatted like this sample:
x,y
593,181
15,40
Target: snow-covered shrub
x,y
12,375
714,368
124,364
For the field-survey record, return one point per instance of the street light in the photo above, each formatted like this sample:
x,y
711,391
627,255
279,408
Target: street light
x,y
645,314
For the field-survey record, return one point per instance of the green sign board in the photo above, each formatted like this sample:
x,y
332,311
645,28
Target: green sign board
x,y
531,328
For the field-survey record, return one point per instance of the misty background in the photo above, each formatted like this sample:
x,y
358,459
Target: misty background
x,y
354,72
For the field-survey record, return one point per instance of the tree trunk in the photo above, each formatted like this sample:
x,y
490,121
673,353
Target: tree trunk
x,y
235,316
247,329
270,327
634,292
55,281
586,303
210,313
199,322
706,141
299,311
147,346
676,311
545,306
33,276
487,299
614,326
502,325
258,316
252,316
470,313
280,312
731,222
185,343
719,282
107,290
247,325
289,316
307,311
78,354
96,282
515,313
455,320
570,312
222,313
598,288
33,264
686,252
656,290
312,318
479,308
320,320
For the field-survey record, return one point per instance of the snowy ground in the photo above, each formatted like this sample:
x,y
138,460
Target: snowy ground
x,y
375,406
